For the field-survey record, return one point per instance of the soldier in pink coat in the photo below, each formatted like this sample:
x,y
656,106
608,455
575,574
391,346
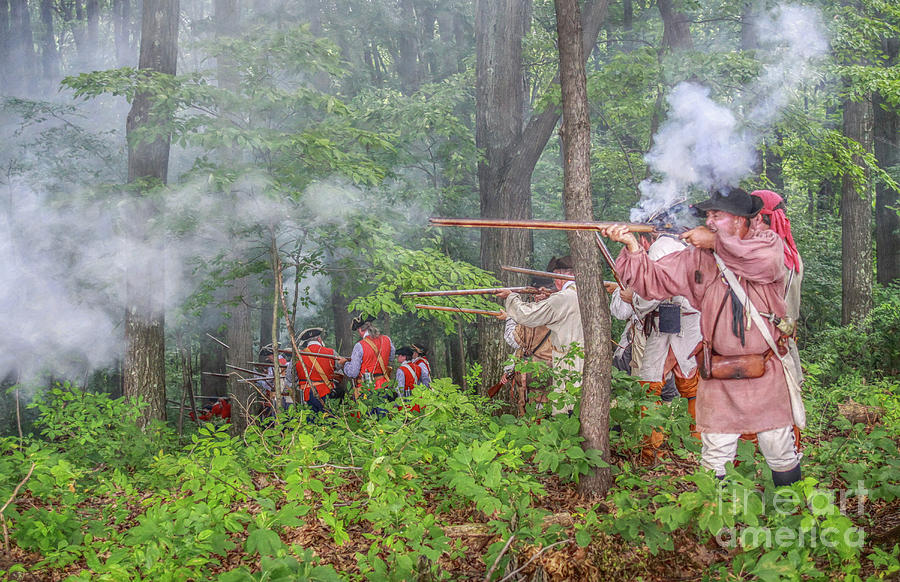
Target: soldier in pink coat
x,y
751,396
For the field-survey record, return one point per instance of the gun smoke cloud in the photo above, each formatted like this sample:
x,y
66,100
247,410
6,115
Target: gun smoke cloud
x,y
704,144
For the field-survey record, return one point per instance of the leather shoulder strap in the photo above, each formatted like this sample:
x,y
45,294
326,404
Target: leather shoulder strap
x,y
379,357
318,368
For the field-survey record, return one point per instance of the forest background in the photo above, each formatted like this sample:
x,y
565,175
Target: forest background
x,y
161,183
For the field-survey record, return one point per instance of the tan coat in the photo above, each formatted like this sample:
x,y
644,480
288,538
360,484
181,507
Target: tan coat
x,y
733,406
561,315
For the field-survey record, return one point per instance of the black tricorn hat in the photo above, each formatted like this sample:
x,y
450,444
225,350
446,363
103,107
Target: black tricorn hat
x,y
360,321
419,348
562,263
732,200
404,351
308,334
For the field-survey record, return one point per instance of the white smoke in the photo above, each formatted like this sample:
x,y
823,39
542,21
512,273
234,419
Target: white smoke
x,y
792,43
704,144
62,297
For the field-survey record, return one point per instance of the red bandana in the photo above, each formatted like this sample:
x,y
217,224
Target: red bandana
x,y
780,225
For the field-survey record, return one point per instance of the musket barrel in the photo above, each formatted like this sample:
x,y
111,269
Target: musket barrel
x,y
537,224
488,291
238,368
314,354
536,273
460,310
547,274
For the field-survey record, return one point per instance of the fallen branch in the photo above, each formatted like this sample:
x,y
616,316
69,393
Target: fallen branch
x,y
487,577
533,558
486,530
10,500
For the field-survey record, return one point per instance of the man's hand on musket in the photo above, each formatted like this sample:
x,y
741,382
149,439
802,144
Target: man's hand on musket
x,y
503,294
502,316
610,286
621,233
700,237
341,361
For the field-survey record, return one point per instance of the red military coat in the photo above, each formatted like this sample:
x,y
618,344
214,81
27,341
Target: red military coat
x,y
376,354
314,371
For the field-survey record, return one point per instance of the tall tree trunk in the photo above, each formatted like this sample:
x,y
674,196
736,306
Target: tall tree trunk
x,y
499,105
887,150
21,58
856,221
749,25
49,54
240,351
506,188
264,303
76,21
92,12
676,26
212,359
145,366
4,45
122,30
596,376
343,335
774,165
450,52
408,66
528,149
240,332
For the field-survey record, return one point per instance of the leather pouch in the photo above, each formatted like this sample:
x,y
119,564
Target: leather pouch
x,y
731,367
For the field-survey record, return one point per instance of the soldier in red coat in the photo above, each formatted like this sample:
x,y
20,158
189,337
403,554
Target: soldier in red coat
x,y
369,362
408,373
420,360
315,375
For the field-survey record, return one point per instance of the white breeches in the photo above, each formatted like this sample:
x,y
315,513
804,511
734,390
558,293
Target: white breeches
x,y
777,446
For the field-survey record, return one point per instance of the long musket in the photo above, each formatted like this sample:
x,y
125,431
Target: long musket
x,y
257,379
460,310
317,355
546,274
488,291
537,224
238,368
536,273
607,256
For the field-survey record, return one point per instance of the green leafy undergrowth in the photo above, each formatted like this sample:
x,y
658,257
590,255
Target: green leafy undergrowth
x,y
380,484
